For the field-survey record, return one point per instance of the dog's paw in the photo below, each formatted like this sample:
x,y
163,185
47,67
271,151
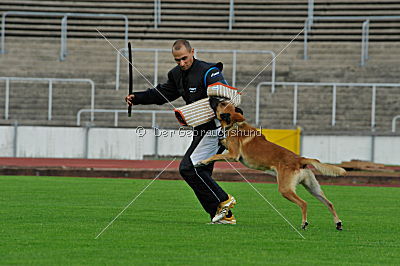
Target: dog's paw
x,y
304,226
339,226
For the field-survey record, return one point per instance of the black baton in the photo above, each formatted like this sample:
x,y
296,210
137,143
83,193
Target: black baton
x,y
130,77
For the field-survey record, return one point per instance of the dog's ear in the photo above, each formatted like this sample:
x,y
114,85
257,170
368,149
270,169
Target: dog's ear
x,y
237,117
226,117
238,110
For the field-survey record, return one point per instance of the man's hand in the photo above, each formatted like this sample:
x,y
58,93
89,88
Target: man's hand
x,y
129,98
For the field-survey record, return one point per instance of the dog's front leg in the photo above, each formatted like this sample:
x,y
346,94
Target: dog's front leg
x,y
231,155
218,157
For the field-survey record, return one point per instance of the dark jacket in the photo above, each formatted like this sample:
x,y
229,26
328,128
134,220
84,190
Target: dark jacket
x,y
190,84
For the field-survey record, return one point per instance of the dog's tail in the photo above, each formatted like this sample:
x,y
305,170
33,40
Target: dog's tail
x,y
325,169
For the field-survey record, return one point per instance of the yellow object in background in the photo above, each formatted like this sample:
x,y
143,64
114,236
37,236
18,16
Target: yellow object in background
x,y
287,138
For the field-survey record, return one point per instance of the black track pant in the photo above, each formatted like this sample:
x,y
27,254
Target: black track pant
x,y
203,146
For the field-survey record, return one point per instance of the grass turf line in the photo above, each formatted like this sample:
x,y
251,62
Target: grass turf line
x,y
53,220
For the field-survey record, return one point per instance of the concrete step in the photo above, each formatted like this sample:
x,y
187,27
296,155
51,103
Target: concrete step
x,y
255,20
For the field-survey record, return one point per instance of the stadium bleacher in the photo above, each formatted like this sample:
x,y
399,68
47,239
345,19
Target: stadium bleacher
x,y
32,46
255,20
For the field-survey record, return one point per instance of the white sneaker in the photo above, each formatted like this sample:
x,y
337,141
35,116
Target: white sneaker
x,y
226,220
223,208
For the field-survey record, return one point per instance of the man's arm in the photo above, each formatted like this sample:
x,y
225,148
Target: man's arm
x,y
161,94
213,75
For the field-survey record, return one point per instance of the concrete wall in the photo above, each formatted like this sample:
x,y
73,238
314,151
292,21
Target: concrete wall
x,y
335,149
122,143
70,142
6,141
47,142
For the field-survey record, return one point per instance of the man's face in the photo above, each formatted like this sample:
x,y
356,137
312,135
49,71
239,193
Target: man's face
x,y
183,57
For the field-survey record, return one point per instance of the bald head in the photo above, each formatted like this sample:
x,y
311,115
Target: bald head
x,y
181,43
183,54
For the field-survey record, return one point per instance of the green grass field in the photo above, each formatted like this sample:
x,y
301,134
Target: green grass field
x,y
54,220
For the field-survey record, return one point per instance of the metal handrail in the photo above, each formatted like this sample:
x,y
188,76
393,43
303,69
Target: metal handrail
x,y
64,15
365,31
234,63
64,25
115,111
310,10
364,42
231,14
50,97
296,85
394,123
157,13
231,19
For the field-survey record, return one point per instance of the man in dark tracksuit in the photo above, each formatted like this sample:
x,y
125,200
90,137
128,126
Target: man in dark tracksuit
x,y
189,79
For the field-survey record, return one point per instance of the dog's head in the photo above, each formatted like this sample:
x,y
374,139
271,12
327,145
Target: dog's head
x,y
226,112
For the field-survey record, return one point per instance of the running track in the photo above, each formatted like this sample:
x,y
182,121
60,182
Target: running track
x,y
390,179
100,163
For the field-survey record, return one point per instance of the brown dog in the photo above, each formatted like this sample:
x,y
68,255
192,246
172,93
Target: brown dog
x,y
247,145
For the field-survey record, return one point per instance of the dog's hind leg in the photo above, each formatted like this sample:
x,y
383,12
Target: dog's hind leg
x,y
287,185
311,185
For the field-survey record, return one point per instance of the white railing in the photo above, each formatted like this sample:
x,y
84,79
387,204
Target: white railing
x,y
364,36
50,92
231,14
116,112
64,15
64,24
334,86
157,13
310,11
394,120
157,50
